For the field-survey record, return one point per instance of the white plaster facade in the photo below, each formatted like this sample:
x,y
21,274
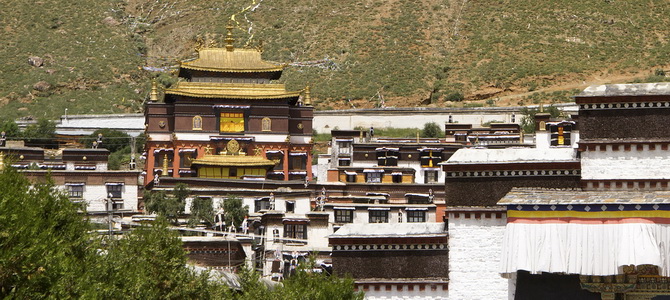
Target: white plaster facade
x,y
406,294
95,196
609,164
475,246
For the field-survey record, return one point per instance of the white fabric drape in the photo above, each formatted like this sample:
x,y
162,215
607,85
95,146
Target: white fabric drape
x,y
586,249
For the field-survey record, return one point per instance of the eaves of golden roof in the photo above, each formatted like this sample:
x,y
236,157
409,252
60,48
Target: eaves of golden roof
x,y
237,61
231,90
233,161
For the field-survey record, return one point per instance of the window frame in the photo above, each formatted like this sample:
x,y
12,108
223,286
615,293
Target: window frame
x,y
295,231
115,190
72,194
344,215
416,216
374,216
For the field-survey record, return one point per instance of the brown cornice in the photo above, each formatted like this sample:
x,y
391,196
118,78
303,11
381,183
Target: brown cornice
x,y
441,239
621,99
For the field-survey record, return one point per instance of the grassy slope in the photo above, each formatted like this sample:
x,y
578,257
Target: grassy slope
x,y
407,50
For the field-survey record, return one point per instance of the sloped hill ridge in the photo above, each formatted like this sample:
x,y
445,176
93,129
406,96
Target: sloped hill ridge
x,y
99,56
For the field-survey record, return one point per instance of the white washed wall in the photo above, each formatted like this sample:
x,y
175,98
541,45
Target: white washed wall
x,y
475,247
608,164
426,294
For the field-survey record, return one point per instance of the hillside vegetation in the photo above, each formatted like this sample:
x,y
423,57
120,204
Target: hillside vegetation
x,y
99,56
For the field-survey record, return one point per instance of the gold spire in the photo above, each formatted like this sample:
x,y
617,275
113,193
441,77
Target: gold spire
x,y
229,36
165,166
154,91
308,98
2,161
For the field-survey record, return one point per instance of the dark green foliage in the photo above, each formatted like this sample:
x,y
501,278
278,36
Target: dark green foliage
x,y
432,130
305,284
154,267
168,206
234,210
112,140
202,211
10,128
43,240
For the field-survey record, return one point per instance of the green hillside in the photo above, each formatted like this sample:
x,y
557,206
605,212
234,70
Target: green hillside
x,y
95,54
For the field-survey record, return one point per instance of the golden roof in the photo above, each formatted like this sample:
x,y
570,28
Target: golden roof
x,y
236,60
233,161
231,90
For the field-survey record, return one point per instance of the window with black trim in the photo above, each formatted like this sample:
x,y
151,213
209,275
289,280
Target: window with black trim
x,y
378,216
387,157
373,177
344,162
159,157
416,216
344,215
186,156
75,191
351,177
115,190
430,176
430,157
261,204
295,231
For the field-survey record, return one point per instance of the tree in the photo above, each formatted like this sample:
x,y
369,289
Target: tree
x,y
202,211
304,284
168,206
44,241
47,251
153,267
112,140
10,128
235,212
431,130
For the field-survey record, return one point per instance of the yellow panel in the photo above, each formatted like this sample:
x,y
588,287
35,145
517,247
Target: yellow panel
x,y
387,179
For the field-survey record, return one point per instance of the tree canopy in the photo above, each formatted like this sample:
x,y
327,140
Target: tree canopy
x,y
431,130
169,206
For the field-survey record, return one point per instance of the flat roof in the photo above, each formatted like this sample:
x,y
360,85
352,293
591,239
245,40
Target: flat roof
x,y
630,89
543,196
391,230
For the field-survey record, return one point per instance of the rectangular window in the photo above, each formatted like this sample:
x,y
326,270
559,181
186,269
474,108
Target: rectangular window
x,y
262,204
186,156
344,216
373,177
344,162
378,216
397,178
295,231
387,157
290,206
344,147
351,177
159,157
298,162
416,216
430,176
231,122
430,158
75,190
114,190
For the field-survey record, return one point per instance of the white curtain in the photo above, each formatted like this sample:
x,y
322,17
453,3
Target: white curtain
x,y
586,249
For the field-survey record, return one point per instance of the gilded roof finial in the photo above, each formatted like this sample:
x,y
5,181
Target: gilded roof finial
x,y
2,161
541,107
229,36
308,98
154,91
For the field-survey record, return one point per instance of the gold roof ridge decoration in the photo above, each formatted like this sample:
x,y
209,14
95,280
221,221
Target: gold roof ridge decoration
x,y
231,90
231,59
233,161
